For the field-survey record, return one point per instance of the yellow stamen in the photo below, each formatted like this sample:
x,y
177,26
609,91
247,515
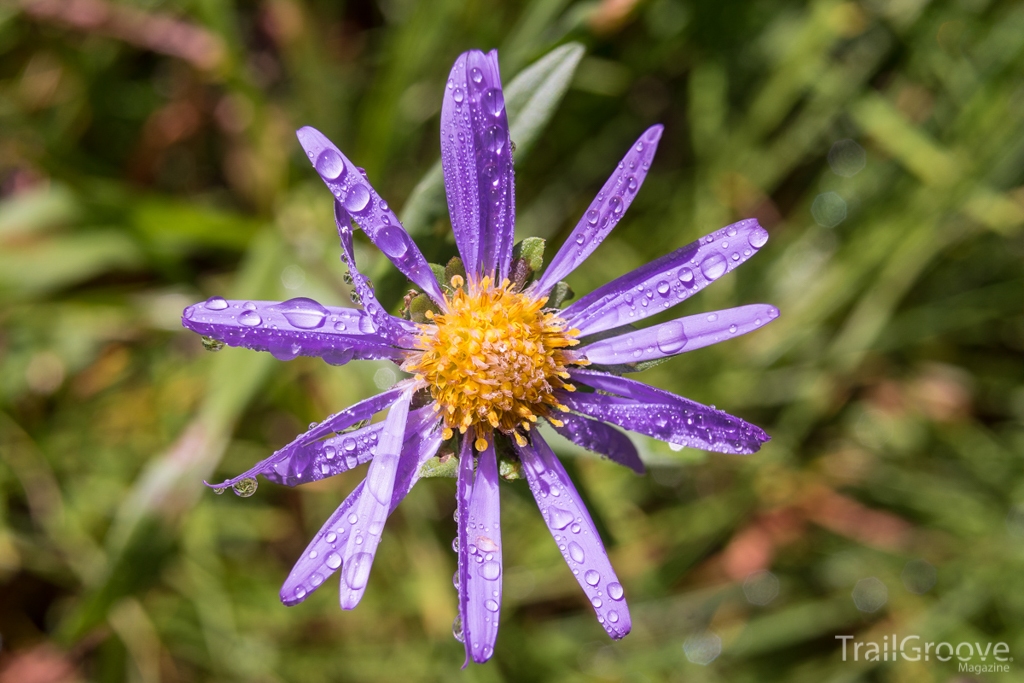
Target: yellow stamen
x,y
493,360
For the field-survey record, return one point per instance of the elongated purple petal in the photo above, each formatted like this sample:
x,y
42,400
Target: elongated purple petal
x,y
372,213
322,556
674,419
600,438
463,494
479,552
373,506
294,459
605,211
678,336
297,327
574,532
666,281
308,462
398,331
476,155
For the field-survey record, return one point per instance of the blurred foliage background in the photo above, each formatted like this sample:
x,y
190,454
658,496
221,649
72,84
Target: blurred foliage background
x,y
147,161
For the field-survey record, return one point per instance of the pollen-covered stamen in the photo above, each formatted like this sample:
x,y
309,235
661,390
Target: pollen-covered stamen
x,y
493,360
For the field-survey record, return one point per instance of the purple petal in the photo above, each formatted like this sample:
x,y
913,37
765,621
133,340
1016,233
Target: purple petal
x,y
373,215
305,463
666,281
574,532
600,438
476,156
605,211
463,494
322,556
294,458
479,551
297,327
371,510
386,325
677,336
662,415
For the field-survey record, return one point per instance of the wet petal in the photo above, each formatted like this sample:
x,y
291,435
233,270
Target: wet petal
x,y
479,551
674,419
605,211
574,532
318,460
400,332
666,281
323,555
476,157
287,329
372,508
295,458
361,201
600,438
678,336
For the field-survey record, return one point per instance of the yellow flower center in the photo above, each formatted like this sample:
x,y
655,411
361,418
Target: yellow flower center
x,y
493,361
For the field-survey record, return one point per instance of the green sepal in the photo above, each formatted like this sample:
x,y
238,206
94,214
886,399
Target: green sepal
x,y
438,271
560,293
510,468
527,260
444,465
418,307
454,267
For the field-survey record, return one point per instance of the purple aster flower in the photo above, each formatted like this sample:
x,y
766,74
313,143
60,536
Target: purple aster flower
x,y
489,356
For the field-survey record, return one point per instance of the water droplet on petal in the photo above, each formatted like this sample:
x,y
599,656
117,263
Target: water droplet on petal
x,y
596,602
248,306
357,199
333,560
303,313
457,630
615,591
490,570
494,102
491,605
331,537
330,164
393,241
663,288
357,570
353,518
250,318
576,552
559,519
613,617
713,266
476,75
758,237
216,303
592,577
670,337
300,593
458,96
245,488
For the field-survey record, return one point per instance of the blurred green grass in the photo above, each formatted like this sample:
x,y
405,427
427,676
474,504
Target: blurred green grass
x,y
880,143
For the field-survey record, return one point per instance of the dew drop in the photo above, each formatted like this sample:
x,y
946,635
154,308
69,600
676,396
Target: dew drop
x,y
333,560
353,518
575,528
757,238
330,452
457,630
216,303
491,605
613,617
576,552
357,570
250,318
340,326
330,164
300,593
476,75
686,276
713,266
663,288
458,96
248,306
357,198
331,537
559,518
393,241
671,337
303,313
490,570
494,102
592,577
615,591
596,602
245,487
